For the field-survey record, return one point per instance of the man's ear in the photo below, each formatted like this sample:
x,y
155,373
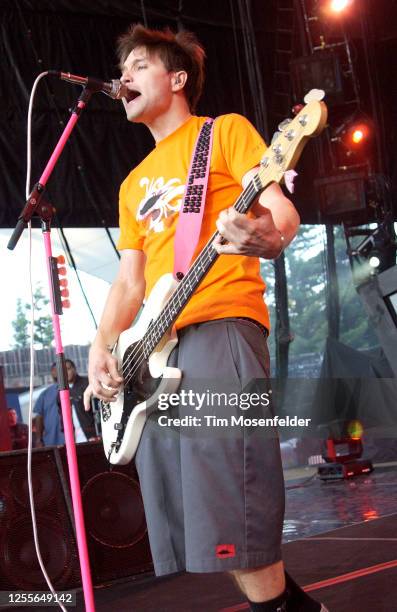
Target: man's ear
x,y
179,80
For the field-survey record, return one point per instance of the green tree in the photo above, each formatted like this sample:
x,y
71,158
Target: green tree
x,y
20,325
307,294
43,334
307,291
355,326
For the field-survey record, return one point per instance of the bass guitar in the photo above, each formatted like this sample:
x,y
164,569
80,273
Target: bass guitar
x,y
143,350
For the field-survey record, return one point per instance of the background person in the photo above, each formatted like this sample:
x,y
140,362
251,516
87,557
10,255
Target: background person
x,y
49,425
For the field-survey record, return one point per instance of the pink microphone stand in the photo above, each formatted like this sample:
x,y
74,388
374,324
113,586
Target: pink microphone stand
x,y
44,210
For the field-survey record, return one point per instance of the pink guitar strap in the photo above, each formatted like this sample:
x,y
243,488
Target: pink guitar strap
x,y
192,209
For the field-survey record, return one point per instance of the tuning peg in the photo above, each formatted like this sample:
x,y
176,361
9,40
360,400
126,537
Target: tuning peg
x,y
284,124
314,95
275,136
297,108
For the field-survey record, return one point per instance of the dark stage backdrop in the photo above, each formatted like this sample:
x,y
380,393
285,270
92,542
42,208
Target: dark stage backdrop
x,y
79,36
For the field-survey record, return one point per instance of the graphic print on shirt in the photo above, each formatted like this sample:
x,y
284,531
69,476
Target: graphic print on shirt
x,y
161,201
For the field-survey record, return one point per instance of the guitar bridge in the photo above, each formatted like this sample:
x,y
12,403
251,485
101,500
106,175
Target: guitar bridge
x,y
113,447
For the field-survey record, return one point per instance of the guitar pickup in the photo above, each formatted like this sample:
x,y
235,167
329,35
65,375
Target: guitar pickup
x,y
106,412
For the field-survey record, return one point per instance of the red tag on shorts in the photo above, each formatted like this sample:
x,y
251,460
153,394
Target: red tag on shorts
x,y
224,551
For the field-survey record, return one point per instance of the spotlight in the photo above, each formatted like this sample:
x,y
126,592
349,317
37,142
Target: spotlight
x,y
377,248
374,261
357,134
342,455
353,132
343,459
337,6
352,141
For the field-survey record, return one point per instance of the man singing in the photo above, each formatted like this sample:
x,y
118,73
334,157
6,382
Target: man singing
x,y
212,503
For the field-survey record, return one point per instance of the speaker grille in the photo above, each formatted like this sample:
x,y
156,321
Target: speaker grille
x,y
113,510
19,567
114,516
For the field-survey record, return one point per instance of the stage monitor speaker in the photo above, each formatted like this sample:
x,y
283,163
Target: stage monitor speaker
x,y
342,196
114,515
19,567
319,70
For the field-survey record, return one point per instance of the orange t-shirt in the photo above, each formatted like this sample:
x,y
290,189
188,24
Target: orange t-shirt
x,y
150,199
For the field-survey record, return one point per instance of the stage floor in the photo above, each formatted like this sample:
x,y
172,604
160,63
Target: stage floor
x,y
357,520
340,542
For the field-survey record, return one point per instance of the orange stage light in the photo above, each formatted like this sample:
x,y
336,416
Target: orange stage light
x,y
357,136
337,6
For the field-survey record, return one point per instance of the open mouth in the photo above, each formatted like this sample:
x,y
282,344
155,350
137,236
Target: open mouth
x,y
132,95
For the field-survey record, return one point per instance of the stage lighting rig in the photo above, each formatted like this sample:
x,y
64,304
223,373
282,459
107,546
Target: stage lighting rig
x,y
352,142
377,249
329,64
342,455
374,245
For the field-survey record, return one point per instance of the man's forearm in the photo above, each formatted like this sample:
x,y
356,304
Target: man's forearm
x,y
121,308
122,305
286,218
267,235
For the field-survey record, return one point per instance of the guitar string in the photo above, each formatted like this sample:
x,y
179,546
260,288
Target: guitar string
x,y
164,316
167,311
250,191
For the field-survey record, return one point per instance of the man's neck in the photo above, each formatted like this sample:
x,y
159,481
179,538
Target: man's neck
x,y
163,126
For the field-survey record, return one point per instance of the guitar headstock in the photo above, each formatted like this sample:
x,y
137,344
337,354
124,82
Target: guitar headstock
x,y
287,144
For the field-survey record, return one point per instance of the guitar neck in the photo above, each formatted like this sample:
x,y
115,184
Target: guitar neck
x,y
196,273
282,155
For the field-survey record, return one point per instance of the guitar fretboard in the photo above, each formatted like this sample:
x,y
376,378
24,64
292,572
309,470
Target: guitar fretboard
x,y
194,276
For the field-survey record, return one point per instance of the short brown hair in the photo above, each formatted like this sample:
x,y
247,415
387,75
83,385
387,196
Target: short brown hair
x,y
180,51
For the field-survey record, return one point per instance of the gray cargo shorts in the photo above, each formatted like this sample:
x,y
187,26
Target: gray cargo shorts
x,y
214,494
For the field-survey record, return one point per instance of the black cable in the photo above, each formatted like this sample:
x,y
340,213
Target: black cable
x,y
303,484
112,241
376,102
304,33
240,80
252,63
258,75
179,17
144,17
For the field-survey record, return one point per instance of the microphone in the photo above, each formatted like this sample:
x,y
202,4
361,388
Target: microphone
x,y
114,88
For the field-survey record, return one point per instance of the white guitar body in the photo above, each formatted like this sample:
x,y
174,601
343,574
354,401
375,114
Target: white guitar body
x,y
152,377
